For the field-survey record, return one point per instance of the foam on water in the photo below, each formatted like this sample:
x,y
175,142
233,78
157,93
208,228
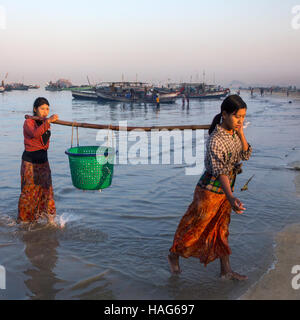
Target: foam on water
x,y
66,217
6,220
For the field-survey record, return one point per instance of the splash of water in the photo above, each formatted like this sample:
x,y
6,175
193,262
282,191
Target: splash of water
x,y
6,220
66,217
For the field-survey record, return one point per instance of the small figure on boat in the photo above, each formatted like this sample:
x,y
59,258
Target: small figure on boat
x,y
203,230
37,200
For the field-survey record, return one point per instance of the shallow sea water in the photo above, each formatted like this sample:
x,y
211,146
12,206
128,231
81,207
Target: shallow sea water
x,y
114,244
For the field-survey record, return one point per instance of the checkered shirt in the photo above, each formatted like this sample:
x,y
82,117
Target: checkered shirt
x,y
223,154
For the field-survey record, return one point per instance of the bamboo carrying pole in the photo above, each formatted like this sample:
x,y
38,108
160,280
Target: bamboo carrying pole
x,y
118,128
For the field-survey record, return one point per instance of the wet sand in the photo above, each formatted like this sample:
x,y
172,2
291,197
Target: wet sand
x,y
277,283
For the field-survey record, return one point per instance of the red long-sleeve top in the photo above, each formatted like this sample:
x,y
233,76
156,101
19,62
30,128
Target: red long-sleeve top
x,y
33,140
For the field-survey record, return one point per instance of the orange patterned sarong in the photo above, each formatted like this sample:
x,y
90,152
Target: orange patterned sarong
x,y
203,230
36,199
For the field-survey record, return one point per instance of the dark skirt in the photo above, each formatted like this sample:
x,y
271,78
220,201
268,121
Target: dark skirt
x,y
203,230
36,199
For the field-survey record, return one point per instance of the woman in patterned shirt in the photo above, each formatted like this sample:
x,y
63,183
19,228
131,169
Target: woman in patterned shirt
x,y
203,230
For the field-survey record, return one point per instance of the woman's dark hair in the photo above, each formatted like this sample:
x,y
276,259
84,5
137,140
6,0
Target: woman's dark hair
x,y
39,102
232,104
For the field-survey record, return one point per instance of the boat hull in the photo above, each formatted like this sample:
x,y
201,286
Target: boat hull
x,y
84,95
52,89
21,88
215,95
165,98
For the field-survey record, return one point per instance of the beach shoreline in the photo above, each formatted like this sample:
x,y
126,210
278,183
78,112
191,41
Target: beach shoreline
x,y
279,282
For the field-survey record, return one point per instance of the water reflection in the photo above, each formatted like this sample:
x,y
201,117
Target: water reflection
x,y
41,243
118,111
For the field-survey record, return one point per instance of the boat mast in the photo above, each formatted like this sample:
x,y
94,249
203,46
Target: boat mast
x,y
88,81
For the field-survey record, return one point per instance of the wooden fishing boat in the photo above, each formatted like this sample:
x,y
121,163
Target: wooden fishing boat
x,y
20,86
53,88
133,92
203,91
8,87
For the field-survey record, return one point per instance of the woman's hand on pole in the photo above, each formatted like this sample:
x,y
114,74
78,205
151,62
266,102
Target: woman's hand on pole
x,y
53,118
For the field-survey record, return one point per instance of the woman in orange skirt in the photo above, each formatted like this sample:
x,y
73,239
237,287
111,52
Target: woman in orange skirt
x,y
36,199
203,230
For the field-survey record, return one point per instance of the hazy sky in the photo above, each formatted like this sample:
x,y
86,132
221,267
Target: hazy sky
x,y
251,41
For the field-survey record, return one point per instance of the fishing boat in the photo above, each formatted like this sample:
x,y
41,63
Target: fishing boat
x,y
8,87
203,91
53,87
133,92
84,95
19,86
2,89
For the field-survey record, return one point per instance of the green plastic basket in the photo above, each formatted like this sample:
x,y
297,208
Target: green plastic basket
x,y
91,166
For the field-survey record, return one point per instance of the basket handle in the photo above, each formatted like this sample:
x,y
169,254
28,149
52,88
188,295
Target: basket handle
x,y
73,124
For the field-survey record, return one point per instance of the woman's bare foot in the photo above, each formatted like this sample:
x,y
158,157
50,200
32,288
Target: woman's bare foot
x,y
227,273
233,276
173,260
